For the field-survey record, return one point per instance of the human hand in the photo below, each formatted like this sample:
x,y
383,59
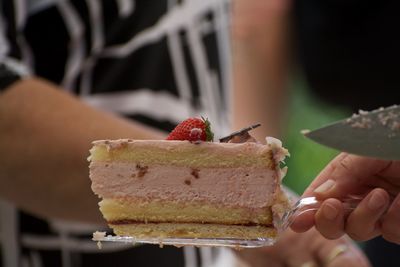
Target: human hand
x,y
378,213
309,249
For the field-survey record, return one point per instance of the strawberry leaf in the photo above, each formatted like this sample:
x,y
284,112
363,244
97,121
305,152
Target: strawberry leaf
x,y
209,133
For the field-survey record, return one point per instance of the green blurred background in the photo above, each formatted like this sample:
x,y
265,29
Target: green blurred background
x,y
307,158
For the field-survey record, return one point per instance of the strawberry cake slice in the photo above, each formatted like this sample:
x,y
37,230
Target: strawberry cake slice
x,y
189,189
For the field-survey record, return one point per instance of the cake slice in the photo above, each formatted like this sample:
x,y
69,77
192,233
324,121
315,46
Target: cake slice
x,y
163,189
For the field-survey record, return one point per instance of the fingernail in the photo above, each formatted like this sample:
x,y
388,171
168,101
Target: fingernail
x,y
325,186
376,201
337,251
329,212
309,264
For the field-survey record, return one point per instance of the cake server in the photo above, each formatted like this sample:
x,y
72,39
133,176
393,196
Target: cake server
x,y
372,134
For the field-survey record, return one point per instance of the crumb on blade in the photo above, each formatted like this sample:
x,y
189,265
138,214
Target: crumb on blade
x,y
364,123
305,131
362,112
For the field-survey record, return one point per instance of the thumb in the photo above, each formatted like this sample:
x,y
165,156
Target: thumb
x,y
330,182
332,189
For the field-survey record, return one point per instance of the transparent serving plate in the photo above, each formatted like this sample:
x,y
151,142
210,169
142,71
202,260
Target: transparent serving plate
x,y
303,205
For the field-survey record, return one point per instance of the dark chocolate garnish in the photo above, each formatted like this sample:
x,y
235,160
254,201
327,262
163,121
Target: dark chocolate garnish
x,y
243,131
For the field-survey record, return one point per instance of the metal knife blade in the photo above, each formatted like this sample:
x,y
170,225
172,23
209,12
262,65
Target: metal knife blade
x,y
372,134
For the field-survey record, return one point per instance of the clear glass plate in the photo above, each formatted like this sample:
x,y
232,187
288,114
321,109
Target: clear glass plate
x,y
198,242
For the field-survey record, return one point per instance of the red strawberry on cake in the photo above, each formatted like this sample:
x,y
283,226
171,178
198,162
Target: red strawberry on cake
x,y
192,129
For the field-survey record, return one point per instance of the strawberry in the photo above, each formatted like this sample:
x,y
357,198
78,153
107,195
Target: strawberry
x,y
192,129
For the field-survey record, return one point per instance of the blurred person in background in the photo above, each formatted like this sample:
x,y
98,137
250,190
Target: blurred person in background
x,y
75,71
347,52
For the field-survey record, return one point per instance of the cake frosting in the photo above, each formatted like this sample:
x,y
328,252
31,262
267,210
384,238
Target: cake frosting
x,y
178,188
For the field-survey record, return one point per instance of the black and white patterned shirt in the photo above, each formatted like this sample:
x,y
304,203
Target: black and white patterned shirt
x,y
154,61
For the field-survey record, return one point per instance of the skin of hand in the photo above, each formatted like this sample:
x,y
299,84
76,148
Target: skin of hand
x,y
45,137
309,249
376,181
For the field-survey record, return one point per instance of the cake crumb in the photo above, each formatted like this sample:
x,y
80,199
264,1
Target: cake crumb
x,y
395,125
389,119
188,182
115,145
382,119
305,131
352,118
363,123
98,236
359,120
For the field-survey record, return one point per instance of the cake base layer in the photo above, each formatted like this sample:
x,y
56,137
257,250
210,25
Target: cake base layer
x,y
193,230
167,211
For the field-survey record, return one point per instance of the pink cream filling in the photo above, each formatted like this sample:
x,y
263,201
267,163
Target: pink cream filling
x,y
239,187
